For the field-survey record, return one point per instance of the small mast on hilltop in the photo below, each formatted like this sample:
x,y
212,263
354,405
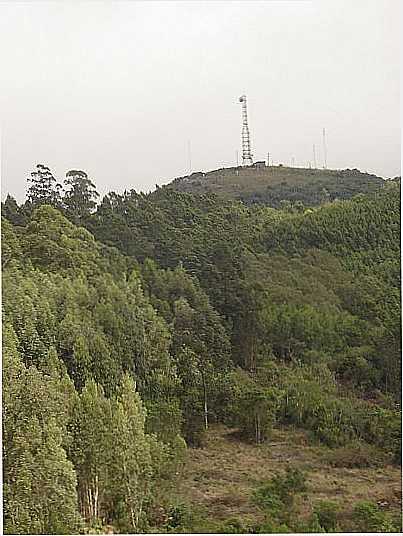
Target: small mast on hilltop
x,y
247,159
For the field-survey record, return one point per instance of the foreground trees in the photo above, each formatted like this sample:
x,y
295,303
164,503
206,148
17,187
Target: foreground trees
x,y
39,482
113,456
79,340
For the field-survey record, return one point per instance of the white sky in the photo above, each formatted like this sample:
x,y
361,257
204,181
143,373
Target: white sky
x,y
118,88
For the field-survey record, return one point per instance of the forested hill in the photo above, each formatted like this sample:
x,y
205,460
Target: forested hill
x,y
276,185
134,325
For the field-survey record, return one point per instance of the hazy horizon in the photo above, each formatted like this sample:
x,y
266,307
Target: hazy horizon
x,y
118,89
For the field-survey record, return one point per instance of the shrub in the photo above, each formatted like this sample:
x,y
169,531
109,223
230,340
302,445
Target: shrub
x,y
178,517
368,517
271,527
308,526
356,454
233,526
314,404
326,514
276,497
383,427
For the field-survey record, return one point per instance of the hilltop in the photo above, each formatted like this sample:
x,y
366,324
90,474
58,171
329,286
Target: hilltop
x,y
270,185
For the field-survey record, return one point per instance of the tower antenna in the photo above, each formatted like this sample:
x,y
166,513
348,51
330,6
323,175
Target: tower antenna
x,y
324,150
314,157
246,152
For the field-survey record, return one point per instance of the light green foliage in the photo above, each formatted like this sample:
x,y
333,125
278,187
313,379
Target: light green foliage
x,y
312,401
369,518
131,464
90,449
101,324
277,498
76,317
116,461
10,244
39,481
53,243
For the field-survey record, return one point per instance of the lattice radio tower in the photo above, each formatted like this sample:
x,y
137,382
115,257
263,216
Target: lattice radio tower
x,y
246,153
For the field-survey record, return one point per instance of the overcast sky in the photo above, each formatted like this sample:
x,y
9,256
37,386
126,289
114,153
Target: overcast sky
x,y
118,88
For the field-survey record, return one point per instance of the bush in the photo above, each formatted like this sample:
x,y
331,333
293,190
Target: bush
x,y
356,454
276,497
326,514
178,517
368,517
315,405
270,527
383,427
233,526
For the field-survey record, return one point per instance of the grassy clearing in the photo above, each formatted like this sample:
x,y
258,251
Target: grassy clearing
x,y
218,480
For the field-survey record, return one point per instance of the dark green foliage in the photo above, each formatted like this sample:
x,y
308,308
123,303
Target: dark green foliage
x,y
200,344
221,243
253,406
178,517
80,197
44,188
12,212
326,513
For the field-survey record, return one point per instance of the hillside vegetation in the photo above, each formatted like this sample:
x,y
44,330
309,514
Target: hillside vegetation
x,y
278,185
217,487
157,344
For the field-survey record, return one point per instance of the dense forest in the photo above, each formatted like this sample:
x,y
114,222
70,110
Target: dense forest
x,y
135,324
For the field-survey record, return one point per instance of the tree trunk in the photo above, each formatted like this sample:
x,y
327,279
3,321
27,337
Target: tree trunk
x,y
96,495
205,402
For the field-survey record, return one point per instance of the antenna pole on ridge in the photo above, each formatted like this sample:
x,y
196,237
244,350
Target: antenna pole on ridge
x,y
324,150
246,151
